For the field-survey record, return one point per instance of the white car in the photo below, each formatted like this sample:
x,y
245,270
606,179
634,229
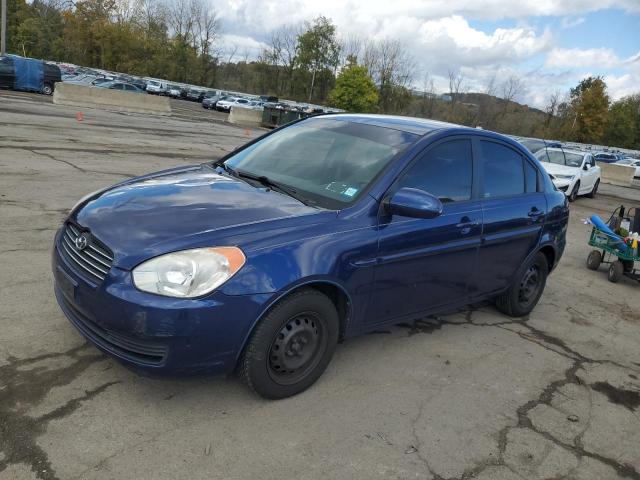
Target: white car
x,y
174,91
156,87
225,105
572,171
631,162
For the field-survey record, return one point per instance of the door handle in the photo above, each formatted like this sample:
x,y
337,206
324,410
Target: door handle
x,y
466,225
535,214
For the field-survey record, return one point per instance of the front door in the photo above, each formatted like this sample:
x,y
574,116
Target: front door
x,y
424,264
589,174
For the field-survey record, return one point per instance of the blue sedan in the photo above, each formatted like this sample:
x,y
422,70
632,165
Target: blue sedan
x,y
319,231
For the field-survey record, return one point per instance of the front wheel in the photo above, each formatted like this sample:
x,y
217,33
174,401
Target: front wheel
x,y
594,260
574,193
616,269
291,346
526,289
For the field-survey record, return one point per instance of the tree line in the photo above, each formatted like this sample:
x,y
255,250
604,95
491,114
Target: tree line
x,y
180,40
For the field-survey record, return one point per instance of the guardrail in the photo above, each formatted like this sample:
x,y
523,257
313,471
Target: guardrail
x,y
96,97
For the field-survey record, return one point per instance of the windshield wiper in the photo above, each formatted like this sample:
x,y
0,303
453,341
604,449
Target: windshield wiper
x,y
267,182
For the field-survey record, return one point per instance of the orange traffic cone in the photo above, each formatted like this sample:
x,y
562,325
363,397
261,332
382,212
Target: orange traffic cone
x,y
247,132
79,116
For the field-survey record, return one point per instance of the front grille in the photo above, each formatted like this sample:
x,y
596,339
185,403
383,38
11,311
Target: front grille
x,y
89,256
130,348
564,189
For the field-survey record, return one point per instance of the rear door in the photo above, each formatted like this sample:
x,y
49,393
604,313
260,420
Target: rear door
x,y
513,210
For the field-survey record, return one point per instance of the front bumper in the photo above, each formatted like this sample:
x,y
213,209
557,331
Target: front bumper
x,y
151,332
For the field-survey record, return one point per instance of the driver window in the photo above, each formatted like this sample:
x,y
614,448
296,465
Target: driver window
x,y
445,171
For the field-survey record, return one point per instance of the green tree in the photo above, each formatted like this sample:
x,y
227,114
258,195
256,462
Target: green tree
x,y
354,90
590,104
624,122
318,51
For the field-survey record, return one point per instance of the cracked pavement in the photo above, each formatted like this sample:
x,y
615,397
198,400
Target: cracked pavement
x,y
470,395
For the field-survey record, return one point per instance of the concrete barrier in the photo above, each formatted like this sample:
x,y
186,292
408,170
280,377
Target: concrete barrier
x,y
95,97
245,116
614,174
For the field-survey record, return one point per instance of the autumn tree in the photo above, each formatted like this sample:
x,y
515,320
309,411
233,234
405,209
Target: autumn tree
x,y
590,107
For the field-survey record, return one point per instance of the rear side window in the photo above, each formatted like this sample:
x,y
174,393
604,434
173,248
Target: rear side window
x,y
502,171
530,178
445,171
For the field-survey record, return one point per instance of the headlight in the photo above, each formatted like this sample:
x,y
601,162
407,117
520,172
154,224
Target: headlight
x,y
566,177
189,273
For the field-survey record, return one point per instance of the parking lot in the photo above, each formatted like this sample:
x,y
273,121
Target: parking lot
x,y
469,395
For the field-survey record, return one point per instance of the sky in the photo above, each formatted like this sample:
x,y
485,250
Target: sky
x,y
550,44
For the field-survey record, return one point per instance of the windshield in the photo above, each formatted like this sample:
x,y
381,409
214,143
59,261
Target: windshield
x,y
329,162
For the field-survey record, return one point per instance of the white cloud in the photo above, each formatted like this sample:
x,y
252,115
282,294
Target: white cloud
x,y
450,42
578,58
269,14
238,46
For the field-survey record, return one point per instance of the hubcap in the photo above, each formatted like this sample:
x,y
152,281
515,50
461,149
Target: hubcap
x,y
296,349
529,285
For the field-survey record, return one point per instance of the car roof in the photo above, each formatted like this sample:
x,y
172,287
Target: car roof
x,y
418,126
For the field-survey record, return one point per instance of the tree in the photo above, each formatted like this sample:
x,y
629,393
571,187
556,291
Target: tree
x,y
623,129
354,90
318,49
590,105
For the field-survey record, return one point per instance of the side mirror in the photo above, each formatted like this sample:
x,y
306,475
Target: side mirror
x,y
413,202
587,166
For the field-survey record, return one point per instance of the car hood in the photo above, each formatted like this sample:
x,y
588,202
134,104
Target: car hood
x,y
181,208
555,169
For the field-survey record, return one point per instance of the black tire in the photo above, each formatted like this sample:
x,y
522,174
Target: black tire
x,y
615,271
527,287
574,193
291,346
593,192
594,260
47,89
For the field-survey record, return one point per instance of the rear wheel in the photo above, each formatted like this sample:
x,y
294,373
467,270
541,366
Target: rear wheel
x,y
291,346
526,289
574,193
594,260
615,271
47,89
593,192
